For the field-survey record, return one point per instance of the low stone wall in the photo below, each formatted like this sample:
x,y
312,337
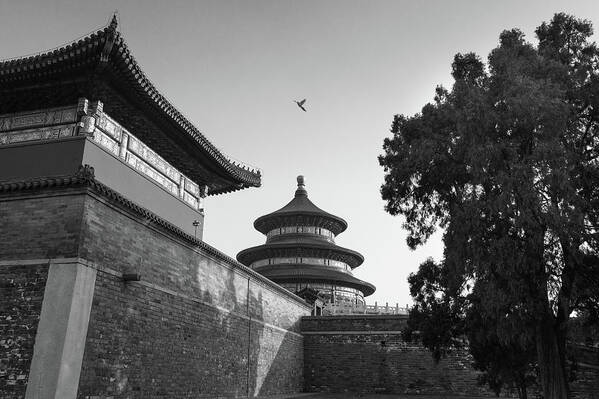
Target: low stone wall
x,y
586,382
365,353
584,371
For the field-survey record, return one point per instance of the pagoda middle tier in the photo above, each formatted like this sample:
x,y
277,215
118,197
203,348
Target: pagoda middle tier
x,y
300,252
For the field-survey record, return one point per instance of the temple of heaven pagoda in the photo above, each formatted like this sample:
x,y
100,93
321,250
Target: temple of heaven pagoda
x,y
300,252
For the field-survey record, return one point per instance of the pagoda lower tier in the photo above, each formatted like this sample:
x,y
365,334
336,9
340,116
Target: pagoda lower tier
x,y
300,252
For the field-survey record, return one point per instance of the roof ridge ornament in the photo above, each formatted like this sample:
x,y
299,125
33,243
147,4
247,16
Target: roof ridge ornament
x,y
111,31
114,21
301,189
85,173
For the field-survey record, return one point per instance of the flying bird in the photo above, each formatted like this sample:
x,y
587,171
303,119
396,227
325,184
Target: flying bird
x,y
301,104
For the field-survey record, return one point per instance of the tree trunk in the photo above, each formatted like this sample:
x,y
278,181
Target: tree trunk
x,y
550,358
551,369
522,393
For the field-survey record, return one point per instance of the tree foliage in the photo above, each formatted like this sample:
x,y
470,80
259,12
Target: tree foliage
x,y
506,162
442,317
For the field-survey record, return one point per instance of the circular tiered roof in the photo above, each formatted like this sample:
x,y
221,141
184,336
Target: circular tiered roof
x,y
315,274
300,247
300,210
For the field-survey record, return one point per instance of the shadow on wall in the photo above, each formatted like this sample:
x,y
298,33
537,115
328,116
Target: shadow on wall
x,y
267,359
144,341
278,362
189,328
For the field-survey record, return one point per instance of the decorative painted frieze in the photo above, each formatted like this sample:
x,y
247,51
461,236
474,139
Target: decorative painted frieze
x,y
50,133
192,188
54,116
191,200
106,141
139,165
90,120
155,160
109,126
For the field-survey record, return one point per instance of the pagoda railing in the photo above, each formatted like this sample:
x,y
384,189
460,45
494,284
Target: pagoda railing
x,y
345,308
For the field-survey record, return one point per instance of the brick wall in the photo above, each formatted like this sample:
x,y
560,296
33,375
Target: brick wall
x,y
40,226
584,370
31,227
366,353
198,324
21,295
194,326
348,323
586,383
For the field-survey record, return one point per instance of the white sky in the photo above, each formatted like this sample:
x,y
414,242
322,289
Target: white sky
x,y
234,67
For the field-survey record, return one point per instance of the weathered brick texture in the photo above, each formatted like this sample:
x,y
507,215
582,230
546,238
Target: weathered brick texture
x,y
40,227
194,326
350,323
21,295
584,371
586,383
197,324
367,354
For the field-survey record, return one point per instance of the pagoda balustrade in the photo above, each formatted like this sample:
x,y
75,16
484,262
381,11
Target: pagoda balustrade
x,y
320,231
90,120
331,293
361,308
302,260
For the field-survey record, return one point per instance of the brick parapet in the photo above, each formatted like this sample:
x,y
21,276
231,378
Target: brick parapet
x,y
353,323
84,182
180,251
366,353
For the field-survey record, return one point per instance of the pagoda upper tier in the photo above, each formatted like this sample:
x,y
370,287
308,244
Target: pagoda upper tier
x,y
100,67
300,211
300,251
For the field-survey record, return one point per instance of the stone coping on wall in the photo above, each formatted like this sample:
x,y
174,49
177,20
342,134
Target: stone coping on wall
x,y
84,182
358,317
353,324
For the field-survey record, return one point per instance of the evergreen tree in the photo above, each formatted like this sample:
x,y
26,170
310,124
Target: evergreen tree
x,y
506,162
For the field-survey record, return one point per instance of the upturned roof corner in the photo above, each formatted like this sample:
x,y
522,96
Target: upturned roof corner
x,y
100,66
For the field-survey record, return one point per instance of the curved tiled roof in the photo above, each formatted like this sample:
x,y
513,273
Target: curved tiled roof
x,y
300,208
106,49
290,273
318,249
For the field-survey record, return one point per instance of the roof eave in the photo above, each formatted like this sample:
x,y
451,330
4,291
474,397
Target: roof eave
x,y
350,281
262,224
252,254
104,50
